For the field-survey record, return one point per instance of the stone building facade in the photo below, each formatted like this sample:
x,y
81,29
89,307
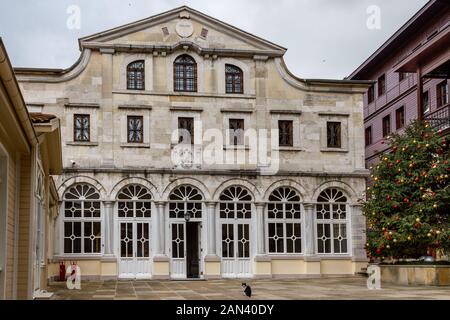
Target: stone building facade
x,y
135,205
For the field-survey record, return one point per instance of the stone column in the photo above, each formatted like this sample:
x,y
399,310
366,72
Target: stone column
x,y
159,234
260,250
358,232
308,221
211,230
109,228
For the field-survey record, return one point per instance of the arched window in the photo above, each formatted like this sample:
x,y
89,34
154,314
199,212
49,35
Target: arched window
x,y
82,220
284,221
134,202
134,209
234,79
136,75
185,200
185,74
331,221
235,214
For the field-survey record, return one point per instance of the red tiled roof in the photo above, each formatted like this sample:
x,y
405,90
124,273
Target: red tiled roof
x,y
37,117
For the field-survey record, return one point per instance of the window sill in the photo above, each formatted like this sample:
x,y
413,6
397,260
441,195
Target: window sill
x,y
340,150
238,147
80,143
135,145
293,149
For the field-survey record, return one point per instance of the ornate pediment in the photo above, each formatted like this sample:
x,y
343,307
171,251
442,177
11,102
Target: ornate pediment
x,y
182,27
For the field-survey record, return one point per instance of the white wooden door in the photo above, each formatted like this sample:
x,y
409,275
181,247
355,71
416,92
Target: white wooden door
x,y
134,260
178,250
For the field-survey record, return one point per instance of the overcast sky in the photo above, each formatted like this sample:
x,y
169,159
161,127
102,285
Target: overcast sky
x,y
324,38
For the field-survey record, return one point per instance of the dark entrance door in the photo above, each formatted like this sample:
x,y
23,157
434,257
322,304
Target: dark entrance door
x,y
192,250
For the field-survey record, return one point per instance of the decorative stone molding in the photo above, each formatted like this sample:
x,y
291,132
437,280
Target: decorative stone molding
x,y
296,112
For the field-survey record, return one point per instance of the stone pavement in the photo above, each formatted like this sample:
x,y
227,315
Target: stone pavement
x,y
324,288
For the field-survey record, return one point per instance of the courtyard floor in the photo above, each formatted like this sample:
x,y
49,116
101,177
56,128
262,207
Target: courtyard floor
x,y
299,289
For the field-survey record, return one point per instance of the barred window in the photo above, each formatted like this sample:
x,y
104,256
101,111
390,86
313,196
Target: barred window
x,y
285,133
186,130
331,222
82,220
234,79
81,127
284,221
185,74
236,129
333,134
136,75
135,126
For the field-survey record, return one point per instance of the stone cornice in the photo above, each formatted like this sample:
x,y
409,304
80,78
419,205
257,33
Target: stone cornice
x,y
253,173
182,45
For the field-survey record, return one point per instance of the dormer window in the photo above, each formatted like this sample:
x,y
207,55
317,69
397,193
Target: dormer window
x,y
136,75
234,79
185,74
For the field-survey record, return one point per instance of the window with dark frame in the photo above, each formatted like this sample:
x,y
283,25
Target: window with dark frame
x,y
186,130
285,133
371,94
333,134
442,93
135,125
136,75
81,127
234,79
381,85
368,136
402,76
236,127
400,118
185,74
386,125
426,102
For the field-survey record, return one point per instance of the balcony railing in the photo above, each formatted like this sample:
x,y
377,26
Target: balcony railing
x,y
439,119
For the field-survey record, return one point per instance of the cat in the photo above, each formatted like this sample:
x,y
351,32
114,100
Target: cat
x,y
247,290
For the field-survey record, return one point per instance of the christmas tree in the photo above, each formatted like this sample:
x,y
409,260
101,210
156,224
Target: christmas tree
x,y
408,201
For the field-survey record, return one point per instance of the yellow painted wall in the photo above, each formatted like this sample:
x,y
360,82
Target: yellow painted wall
x,y
284,267
161,268
263,268
336,267
24,227
212,268
10,226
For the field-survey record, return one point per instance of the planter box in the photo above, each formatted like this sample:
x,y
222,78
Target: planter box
x,y
428,275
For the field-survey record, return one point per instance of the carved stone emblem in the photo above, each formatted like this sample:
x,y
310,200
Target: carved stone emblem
x,y
184,28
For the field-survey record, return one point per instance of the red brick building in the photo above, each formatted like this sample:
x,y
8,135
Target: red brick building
x,y
420,49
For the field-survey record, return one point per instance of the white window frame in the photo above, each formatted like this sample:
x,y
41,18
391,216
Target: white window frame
x,y
333,222
285,221
82,220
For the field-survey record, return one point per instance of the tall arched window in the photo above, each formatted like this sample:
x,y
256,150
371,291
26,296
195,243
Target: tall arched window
x,y
284,221
134,209
82,220
136,75
234,79
235,215
185,74
331,221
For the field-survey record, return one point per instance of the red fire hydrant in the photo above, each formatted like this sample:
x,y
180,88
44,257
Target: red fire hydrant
x,y
62,271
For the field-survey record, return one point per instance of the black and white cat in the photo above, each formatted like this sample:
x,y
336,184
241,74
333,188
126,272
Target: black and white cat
x,y
247,290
